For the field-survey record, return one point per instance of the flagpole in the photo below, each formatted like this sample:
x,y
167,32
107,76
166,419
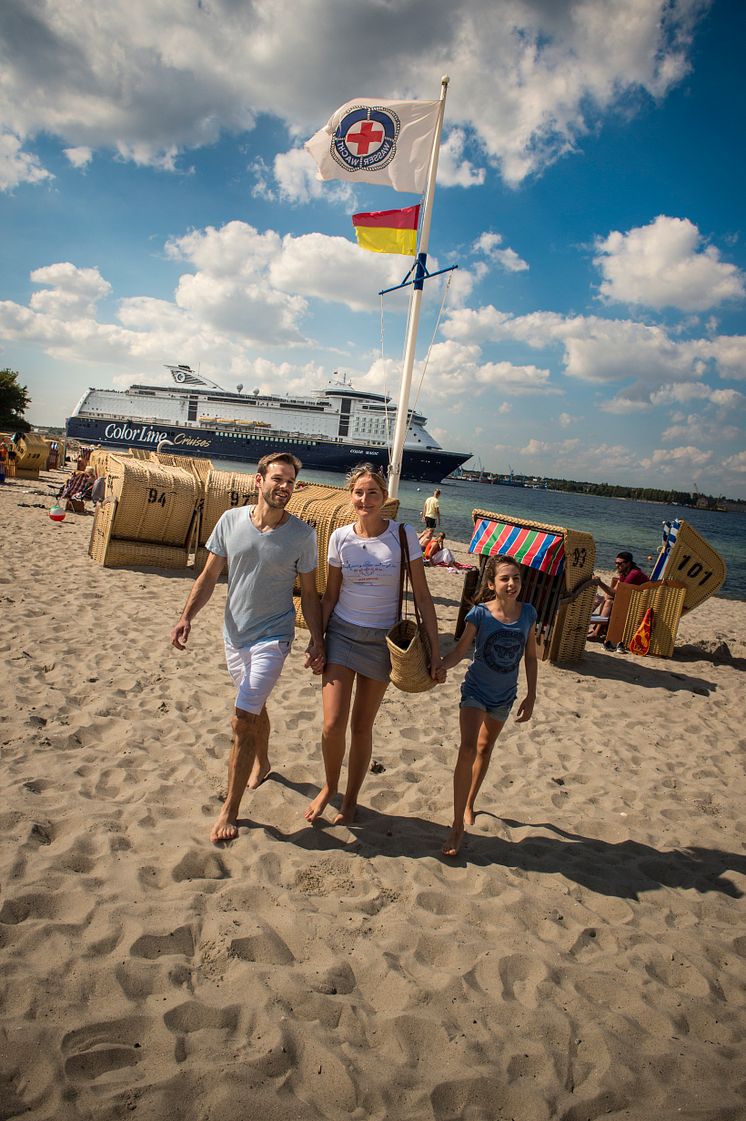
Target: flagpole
x,y
413,317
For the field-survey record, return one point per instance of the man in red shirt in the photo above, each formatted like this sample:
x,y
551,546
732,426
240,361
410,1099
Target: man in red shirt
x,y
627,572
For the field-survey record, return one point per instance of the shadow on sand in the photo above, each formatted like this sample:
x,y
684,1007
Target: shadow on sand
x,y
626,869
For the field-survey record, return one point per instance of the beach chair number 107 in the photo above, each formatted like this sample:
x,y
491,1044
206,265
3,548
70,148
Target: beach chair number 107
x,y
694,570
155,497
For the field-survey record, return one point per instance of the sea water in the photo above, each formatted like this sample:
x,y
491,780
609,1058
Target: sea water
x,y
614,523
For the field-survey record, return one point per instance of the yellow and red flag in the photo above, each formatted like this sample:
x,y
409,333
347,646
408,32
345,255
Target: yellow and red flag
x,y
388,231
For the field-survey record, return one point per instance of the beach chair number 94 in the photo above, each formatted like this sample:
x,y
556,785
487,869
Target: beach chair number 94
x,y
578,558
154,498
693,570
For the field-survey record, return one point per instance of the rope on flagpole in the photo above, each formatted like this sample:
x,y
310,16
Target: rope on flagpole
x,y
385,381
432,340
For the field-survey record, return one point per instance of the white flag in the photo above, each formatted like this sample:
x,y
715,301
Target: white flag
x,y
370,141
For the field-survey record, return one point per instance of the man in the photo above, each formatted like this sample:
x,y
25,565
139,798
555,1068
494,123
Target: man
x,y
627,572
265,547
431,510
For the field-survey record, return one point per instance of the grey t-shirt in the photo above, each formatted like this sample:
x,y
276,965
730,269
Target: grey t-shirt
x,y
261,571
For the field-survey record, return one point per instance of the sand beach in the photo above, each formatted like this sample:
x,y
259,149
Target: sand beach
x,y
584,957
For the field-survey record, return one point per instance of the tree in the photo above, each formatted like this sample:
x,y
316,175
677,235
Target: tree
x,y
14,400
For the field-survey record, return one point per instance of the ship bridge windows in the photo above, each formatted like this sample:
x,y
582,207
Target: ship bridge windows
x,y
344,417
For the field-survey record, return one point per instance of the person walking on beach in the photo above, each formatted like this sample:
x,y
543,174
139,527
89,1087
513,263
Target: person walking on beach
x,y
431,510
265,548
503,629
358,608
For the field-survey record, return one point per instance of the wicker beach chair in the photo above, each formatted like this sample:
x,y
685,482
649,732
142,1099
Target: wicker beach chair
x,y
687,572
32,453
149,516
223,490
631,602
557,566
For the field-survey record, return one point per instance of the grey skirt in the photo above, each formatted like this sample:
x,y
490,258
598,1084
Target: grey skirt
x,y
362,649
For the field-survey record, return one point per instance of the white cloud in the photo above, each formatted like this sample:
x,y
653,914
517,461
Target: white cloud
x,y
702,429
455,370
151,79
666,264
17,166
736,463
453,169
295,179
334,269
243,288
667,460
645,359
79,157
490,245
72,292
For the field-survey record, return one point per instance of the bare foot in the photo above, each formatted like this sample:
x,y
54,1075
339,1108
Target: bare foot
x,y
469,816
453,844
319,804
347,814
259,773
224,829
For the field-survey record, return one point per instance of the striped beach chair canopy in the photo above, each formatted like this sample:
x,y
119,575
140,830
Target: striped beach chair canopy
x,y
534,548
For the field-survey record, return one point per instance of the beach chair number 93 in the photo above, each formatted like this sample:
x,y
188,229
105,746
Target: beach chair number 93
x,y
154,498
693,571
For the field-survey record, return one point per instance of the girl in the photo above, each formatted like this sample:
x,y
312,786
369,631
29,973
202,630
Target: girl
x,y
504,631
358,608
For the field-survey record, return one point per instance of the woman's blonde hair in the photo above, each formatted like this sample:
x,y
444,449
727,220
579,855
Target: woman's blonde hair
x,y
376,474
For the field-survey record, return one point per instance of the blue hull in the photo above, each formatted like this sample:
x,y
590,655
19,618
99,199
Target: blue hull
x,y
316,453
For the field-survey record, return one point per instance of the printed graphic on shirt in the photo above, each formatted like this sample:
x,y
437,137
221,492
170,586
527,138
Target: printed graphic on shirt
x,y
503,649
369,573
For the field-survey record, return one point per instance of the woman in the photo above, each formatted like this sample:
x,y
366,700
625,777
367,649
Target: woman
x,y
435,545
358,608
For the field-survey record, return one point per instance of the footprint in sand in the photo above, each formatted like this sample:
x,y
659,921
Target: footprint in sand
x,y
266,946
179,941
103,1048
193,1016
197,865
521,976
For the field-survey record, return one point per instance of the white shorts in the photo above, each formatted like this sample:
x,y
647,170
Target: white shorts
x,y
255,670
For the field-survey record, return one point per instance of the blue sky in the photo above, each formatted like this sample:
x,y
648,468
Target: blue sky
x,y
157,206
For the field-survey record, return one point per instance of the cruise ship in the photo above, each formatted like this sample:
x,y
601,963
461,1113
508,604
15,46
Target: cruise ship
x,y
329,430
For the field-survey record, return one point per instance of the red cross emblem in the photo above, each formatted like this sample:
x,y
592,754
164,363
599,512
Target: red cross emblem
x,y
368,134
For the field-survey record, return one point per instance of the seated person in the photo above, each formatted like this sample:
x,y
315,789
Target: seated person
x,y
425,537
433,547
77,490
627,572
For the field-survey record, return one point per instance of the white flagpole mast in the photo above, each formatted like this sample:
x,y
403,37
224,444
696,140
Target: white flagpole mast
x,y
413,318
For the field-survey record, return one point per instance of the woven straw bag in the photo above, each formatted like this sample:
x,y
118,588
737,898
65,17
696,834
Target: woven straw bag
x,y
407,641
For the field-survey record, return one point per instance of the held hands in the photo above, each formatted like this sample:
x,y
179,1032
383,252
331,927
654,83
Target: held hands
x,y
525,710
437,669
180,634
315,657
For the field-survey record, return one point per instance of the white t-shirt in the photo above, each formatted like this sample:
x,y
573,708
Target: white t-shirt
x,y
369,596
